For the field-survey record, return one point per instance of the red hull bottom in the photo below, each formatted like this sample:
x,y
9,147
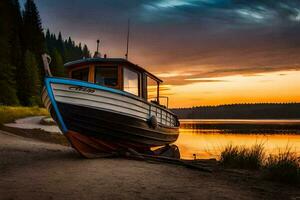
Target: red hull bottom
x,y
91,147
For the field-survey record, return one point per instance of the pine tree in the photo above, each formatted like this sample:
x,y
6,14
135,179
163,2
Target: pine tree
x,y
15,35
69,52
67,49
47,41
30,82
16,45
20,77
7,77
33,35
86,53
60,45
57,65
8,94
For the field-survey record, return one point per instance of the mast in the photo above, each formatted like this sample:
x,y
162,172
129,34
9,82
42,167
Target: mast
x,y
98,41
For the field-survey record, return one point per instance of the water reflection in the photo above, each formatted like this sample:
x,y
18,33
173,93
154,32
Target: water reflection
x,y
208,142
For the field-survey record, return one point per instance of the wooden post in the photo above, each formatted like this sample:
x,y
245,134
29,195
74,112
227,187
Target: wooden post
x,y
157,92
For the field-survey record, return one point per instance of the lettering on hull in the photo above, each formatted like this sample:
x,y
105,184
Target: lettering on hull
x,y
81,89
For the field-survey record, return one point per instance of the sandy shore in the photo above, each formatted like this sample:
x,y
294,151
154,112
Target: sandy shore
x,y
33,169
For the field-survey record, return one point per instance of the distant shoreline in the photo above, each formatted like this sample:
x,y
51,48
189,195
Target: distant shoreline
x,y
242,111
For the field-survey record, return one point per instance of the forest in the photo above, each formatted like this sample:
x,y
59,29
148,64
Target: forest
x,y
22,42
242,111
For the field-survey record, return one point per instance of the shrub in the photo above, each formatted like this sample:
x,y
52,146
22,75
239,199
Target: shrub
x,y
283,167
243,157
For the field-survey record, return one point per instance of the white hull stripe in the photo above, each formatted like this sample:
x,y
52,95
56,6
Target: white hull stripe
x,y
106,100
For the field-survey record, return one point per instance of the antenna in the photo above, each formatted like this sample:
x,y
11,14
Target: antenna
x,y
97,54
98,41
128,31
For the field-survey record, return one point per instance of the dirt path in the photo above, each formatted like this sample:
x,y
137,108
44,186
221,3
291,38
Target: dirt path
x,y
31,169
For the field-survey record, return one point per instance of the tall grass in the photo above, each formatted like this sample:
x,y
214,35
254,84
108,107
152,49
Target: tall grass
x,y
9,114
242,157
283,167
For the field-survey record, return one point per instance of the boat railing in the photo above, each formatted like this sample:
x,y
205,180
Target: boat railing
x,y
165,97
162,116
158,101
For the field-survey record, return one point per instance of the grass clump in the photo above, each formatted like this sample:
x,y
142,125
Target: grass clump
x,y
283,167
242,157
9,113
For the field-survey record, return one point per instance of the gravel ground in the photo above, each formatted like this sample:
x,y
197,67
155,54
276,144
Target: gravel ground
x,y
33,169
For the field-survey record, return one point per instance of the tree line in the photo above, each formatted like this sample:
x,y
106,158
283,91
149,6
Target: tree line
x,y
22,42
242,111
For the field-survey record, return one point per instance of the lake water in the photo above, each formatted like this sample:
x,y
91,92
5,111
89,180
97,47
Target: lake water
x,y
206,138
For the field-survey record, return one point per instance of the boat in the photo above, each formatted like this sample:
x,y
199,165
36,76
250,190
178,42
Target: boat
x,y
107,105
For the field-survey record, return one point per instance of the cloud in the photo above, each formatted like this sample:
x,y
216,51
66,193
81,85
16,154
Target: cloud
x,y
209,76
188,78
196,38
238,11
182,81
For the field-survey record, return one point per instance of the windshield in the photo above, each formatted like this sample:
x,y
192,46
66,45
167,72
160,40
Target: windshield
x,y
131,81
107,76
152,89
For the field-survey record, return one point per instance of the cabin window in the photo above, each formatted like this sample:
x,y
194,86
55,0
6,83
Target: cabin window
x,y
81,74
152,86
131,81
107,76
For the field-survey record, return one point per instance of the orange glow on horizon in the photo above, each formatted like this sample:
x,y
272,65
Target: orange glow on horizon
x,y
275,87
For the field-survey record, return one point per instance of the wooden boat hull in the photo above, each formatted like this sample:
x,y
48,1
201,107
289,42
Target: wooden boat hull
x,y
94,125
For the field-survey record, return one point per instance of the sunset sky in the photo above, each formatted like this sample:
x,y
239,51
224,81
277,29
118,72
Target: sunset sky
x,y
208,52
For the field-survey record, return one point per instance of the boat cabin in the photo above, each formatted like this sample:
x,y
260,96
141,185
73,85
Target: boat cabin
x,y
117,73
